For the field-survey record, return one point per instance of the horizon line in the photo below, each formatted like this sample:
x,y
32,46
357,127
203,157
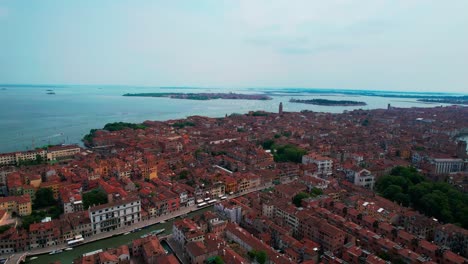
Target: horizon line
x,y
220,87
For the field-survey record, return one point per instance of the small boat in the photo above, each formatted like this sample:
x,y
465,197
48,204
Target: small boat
x,y
162,222
157,232
68,249
143,236
126,233
50,93
33,258
55,252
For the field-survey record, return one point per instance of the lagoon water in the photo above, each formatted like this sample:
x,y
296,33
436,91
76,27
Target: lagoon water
x,y
29,117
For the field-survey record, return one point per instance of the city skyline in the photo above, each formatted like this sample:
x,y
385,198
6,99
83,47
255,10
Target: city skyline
x,y
386,45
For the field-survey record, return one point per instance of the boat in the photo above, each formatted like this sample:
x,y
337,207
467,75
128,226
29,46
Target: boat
x,y
163,221
33,258
92,252
55,252
143,236
68,249
50,93
126,233
157,232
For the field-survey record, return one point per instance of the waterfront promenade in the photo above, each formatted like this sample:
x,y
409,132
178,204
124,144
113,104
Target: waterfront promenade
x,y
17,257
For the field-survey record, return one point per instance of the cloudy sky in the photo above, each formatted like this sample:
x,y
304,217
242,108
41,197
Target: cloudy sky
x,y
404,45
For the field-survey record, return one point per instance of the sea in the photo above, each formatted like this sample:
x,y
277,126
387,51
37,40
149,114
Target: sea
x,y
30,117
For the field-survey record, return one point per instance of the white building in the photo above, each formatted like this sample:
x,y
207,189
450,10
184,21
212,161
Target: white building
x,y
324,164
185,231
445,166
115,215
363,178
232,212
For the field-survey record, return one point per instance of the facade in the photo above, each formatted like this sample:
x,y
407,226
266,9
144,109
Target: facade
x,y
16,157
324,164
74,203
232,212
20,205
363,178
185,231
60,152
115,215
446,166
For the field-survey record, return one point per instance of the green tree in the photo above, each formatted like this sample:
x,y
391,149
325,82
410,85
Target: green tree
x,y
316,191
44,198
215,260
261,257
297,199
94,197
183,174
391,191
288,153
267,144
4,228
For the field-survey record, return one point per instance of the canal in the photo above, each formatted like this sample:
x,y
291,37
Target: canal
x,y
67,257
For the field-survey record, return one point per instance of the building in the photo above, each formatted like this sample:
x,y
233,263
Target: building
x,y
230,210
446,166
16,157
115,215
186,230
62,152
324,164
363,178
20,205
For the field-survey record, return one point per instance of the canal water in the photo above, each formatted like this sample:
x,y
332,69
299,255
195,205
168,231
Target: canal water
x,y
67,257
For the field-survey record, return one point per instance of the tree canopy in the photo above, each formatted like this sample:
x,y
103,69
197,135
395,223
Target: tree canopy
x,y
44,198
287,153
94,197
297,199
441,200
122,125
258,255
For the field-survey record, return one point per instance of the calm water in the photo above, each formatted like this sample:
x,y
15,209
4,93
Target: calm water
x,y
30,117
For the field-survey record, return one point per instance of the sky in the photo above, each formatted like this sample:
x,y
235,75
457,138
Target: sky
x,y
400,45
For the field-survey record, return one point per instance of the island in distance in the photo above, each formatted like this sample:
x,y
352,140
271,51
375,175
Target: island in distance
x,y
328,102
203,96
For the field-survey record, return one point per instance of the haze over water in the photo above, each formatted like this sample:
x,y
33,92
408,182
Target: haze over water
x,y
30,117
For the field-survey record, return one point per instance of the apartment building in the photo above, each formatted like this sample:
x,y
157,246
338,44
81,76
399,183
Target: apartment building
x,y
115,215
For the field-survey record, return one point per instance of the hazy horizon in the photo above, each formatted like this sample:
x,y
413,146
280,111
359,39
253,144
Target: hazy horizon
x,y
223,89
400,45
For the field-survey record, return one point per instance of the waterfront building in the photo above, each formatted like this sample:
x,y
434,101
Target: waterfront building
x,y
61,152
44,234
185,231
15,157
110,216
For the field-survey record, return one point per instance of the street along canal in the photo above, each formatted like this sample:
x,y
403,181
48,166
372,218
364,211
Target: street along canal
x,y
67,257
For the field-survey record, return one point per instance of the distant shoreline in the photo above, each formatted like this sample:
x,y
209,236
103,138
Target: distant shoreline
x,y
203,96
328,102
